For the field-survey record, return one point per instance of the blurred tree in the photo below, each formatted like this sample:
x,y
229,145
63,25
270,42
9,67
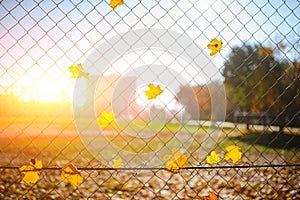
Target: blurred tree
x,y
197,100
238,69
204,100
291,96
187,98
257,82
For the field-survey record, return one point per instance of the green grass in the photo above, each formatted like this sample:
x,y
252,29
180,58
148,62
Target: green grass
x,y
57,148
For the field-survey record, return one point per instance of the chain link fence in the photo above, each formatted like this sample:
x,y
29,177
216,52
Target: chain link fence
x,y
127,144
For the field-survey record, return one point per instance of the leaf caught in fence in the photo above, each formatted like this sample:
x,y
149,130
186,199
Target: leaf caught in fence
x,y
106,119
118,163
153,91
179,163
31,171
213,158
71,175
175,161
233,153
115,3
77,71
215,46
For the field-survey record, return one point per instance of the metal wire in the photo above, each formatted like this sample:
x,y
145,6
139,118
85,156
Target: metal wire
x,y
157,168
46,115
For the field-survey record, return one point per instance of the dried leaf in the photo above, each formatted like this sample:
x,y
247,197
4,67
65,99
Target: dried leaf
x,y
175,161
71,175
233,153
106,119
115,3
179,163
153,91
211,196
77,71
213,158
31,171
215,46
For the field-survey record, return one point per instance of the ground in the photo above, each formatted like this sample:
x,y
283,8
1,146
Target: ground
x,y
56,142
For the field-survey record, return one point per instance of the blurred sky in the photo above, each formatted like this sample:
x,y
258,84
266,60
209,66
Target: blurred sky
x,y
40,39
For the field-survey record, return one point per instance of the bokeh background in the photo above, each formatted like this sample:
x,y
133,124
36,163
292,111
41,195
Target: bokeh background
x,y
258,66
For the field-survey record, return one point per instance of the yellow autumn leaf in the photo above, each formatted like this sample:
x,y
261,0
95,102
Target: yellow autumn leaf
x,y
233,153
71,175
153,91
118,163
213,158
31,171
106,119
115,3
215,46
179,163
175,161
77,72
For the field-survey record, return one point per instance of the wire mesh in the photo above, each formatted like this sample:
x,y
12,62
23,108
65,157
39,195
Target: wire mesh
x,y
247,95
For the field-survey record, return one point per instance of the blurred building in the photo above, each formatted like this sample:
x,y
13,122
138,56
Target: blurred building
x,y
111,93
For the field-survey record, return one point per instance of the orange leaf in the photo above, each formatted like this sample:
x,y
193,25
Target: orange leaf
x,y
115,3
211,196
175,161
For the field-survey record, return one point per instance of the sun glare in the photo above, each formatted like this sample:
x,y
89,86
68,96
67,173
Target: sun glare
x,y
41,90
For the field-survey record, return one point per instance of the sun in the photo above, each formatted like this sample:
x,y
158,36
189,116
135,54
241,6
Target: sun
x,y
41,90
